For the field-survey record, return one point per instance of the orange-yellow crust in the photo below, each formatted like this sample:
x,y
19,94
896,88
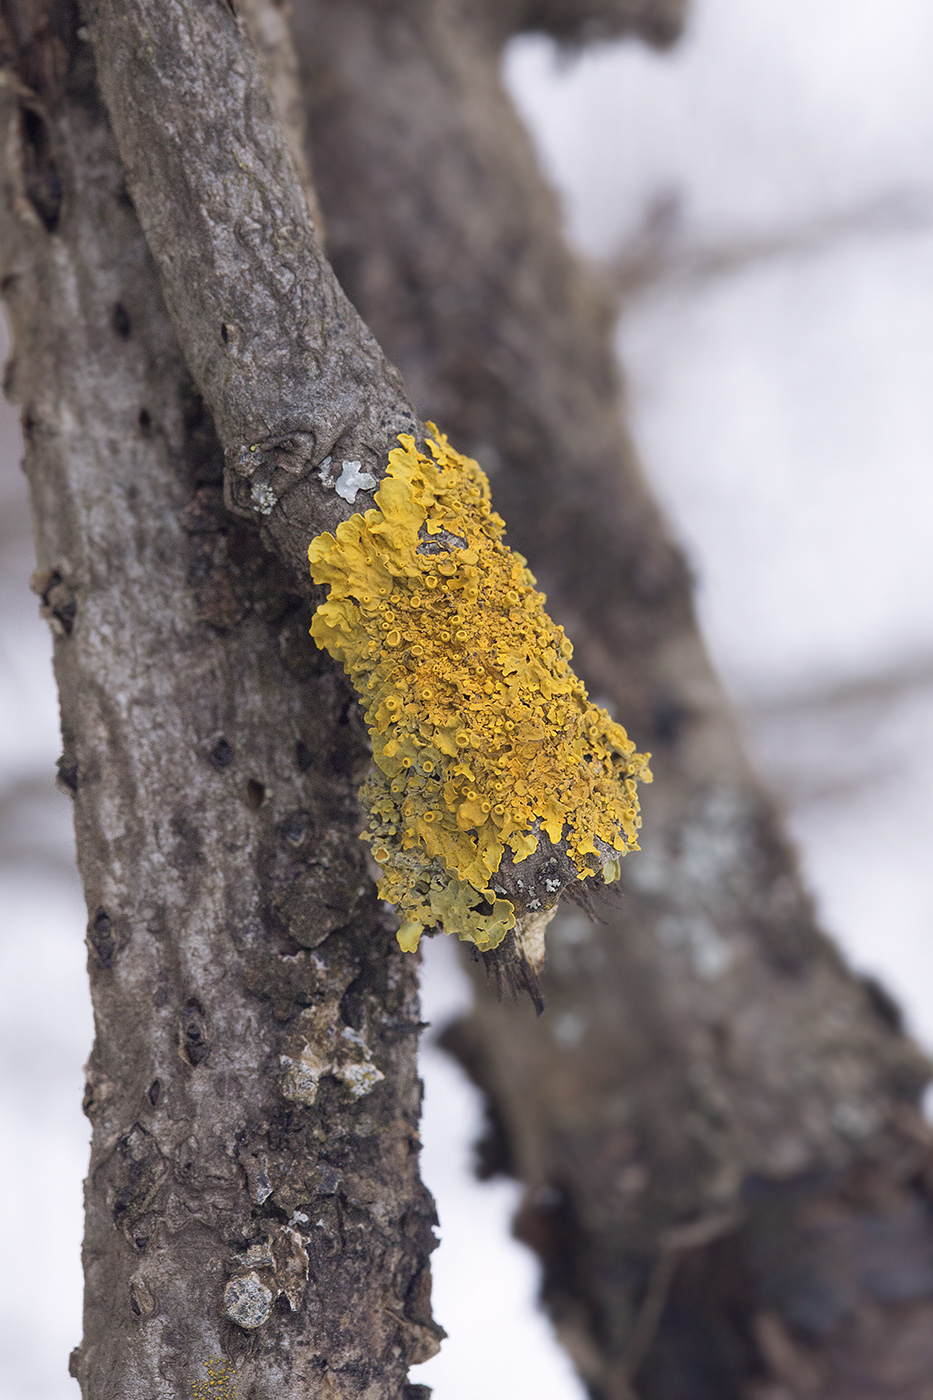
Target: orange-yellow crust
x,y
482,735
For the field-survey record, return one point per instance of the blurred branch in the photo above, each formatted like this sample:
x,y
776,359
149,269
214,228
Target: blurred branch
x,y
580,22
660,255
812,742
873,691
705,1049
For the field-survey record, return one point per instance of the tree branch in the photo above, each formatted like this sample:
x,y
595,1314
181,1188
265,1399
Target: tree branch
x,y
292,375
660,256
575,22
267,26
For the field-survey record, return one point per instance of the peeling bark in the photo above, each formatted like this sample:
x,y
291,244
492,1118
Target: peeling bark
x,y
717,1126
253,1191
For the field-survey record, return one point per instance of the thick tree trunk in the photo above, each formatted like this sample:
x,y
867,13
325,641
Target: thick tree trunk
x,y
253,1199
716,1123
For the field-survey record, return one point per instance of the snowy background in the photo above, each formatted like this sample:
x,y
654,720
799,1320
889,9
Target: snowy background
x,y
763,198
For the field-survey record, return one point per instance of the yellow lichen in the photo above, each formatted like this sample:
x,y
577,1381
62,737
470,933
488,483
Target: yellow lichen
x,y
219,1385
483,737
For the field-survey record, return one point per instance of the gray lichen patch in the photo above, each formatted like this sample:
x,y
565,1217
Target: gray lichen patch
x,y
279,1266
302,1075
263,498
315,1050
247,1301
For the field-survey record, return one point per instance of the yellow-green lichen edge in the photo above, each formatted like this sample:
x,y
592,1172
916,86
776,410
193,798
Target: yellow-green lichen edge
x,y
482,735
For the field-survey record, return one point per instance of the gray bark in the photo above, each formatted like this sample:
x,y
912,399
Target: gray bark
x,y
253,1192
267,25
292,375
716,1123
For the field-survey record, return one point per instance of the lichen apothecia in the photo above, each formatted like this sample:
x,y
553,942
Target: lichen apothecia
x,y
483,738
220,1383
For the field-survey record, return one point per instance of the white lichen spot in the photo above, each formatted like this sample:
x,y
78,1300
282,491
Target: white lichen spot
x,y
263,1187
352,480
359,1078
247,1301
263,498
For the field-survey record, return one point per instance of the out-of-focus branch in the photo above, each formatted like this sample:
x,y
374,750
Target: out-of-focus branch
x,y
660,255
812,743
31,834
867,693
575,22
706,1059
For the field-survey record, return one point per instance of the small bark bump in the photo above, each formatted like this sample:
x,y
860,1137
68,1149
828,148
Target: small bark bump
x,y
66,775
255,793
58,600
141,1299
222,754
41,180
100,936
193,1044
121,322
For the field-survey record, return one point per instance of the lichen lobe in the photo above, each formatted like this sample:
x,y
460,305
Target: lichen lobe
x,y
484,740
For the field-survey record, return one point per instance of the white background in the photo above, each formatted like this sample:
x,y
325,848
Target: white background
x,y
784,409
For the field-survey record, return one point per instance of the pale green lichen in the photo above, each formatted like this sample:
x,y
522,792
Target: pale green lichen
x,y
483,737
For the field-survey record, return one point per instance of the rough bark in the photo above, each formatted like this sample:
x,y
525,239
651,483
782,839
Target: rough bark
x,y
253,1198
716,1123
